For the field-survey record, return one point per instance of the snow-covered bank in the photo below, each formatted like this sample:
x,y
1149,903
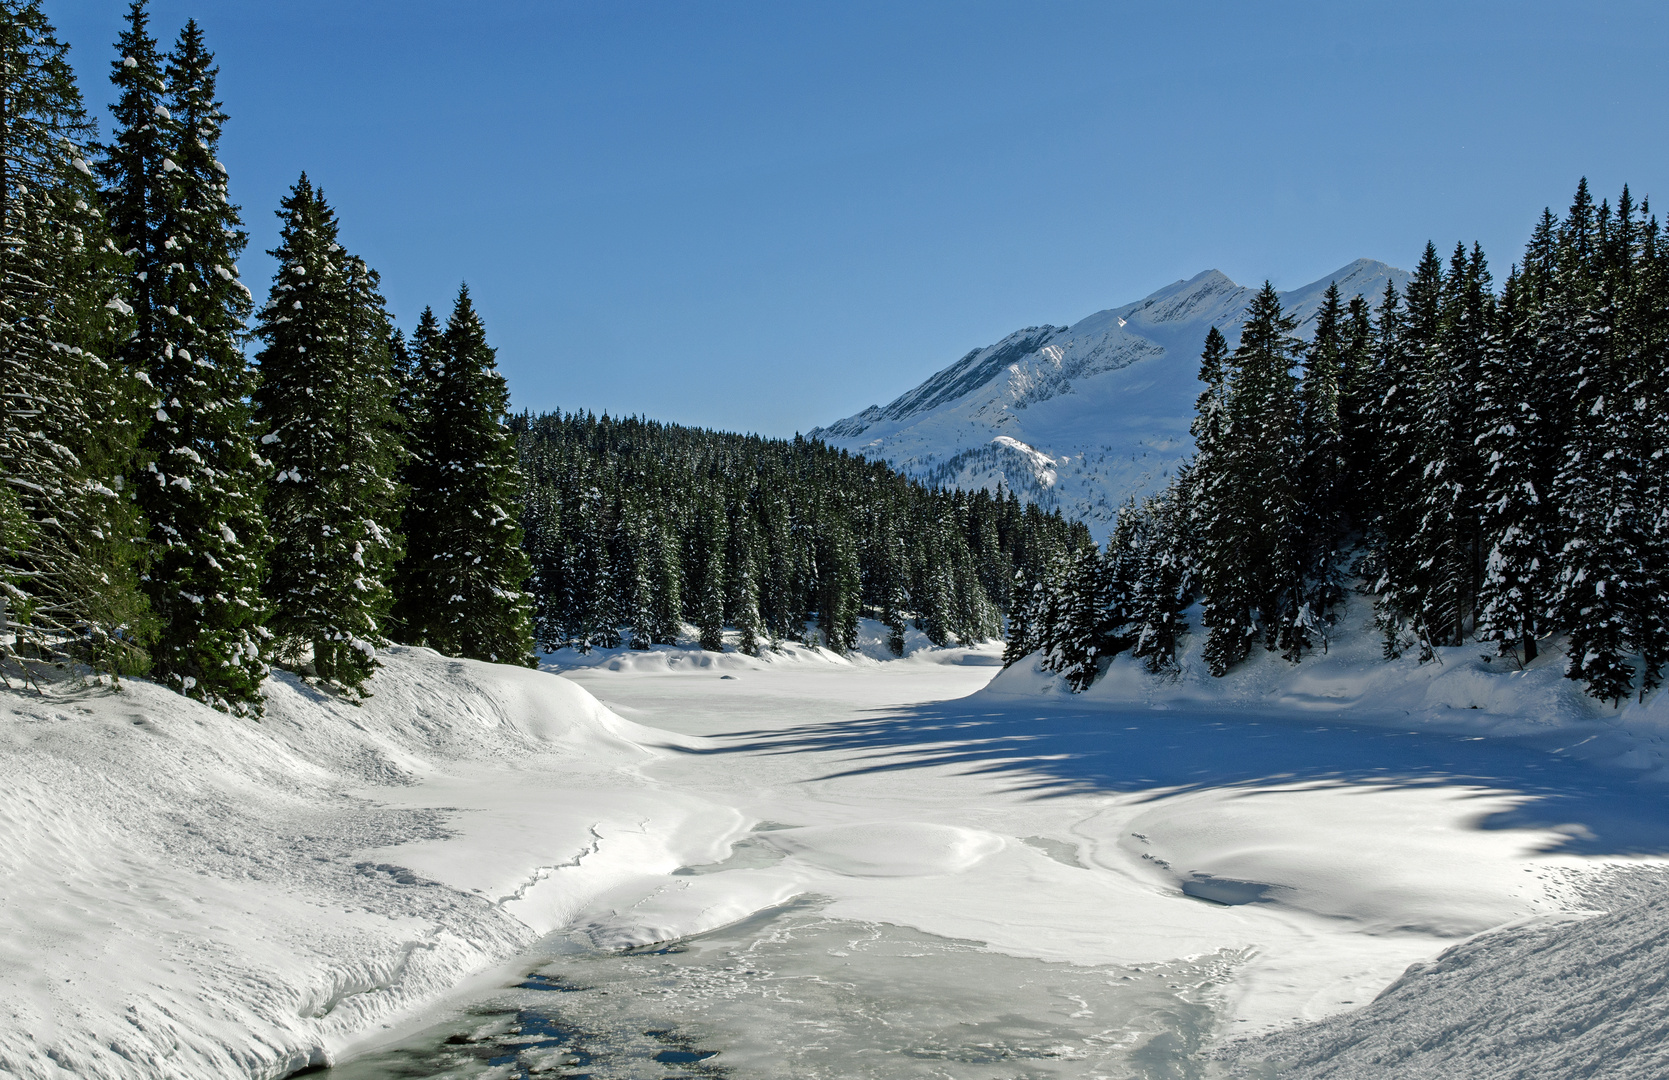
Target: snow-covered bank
x,y
688,656
1545,998
186,894
1464,690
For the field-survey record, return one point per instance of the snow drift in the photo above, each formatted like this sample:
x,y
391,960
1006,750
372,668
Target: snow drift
x,y
191,895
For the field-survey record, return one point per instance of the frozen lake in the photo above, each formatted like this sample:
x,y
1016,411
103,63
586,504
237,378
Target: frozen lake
x,y
933,884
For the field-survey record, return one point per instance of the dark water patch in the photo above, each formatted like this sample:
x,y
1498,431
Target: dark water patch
x,y
1228,891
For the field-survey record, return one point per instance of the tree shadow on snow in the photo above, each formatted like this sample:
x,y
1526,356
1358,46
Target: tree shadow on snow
x,y
1158,754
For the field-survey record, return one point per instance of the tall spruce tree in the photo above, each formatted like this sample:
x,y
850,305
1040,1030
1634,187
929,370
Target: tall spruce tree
x,y
1651,421
1408,342
1599,480
200,488
462,581
1515,590
327,402
1359,394
68,422
1250,566
1322,468
1446,545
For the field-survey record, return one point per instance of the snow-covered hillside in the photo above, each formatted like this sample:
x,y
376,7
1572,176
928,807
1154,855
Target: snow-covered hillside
x,y
1080,416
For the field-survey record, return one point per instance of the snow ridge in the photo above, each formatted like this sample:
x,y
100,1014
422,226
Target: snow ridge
x,y
1589,998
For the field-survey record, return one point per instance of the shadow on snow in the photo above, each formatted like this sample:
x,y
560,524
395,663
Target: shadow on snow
x,y
1070,751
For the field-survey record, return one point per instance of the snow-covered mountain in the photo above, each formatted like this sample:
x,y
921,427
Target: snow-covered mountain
x,y
1080,416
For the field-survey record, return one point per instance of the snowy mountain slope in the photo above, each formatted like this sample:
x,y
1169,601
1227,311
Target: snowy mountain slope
x,y
1078,416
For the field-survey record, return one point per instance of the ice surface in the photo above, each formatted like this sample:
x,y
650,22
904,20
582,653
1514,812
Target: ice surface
x,y
794,993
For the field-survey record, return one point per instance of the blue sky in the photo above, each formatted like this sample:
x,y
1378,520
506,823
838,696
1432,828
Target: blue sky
x,y
765,216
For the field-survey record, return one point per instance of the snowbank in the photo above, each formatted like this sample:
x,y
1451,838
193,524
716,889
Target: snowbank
x,y
1464,690
1550,997
688,656
186,894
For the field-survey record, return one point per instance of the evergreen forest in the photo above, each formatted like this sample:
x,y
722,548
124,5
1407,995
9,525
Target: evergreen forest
x,y
170,507
1486,464
199,483
635,527
175,507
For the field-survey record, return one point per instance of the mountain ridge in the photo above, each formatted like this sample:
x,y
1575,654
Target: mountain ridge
x,y
1078,417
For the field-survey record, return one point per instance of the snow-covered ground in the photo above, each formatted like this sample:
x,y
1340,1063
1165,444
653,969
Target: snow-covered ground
x,y
189,895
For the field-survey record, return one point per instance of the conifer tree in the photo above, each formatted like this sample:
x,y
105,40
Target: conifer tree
x,y
1359,395
420,362
1599,479
1322,466
1077,627
1515,591
200,488
68,425
1446,545
1249,564
667,586
742,577
327,401
463,576
1650,406
838,595
712,536
1408,341
1164,582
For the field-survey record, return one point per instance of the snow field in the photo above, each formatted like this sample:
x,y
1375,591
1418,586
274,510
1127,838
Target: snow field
x,y
1120,833
189,895
1551,997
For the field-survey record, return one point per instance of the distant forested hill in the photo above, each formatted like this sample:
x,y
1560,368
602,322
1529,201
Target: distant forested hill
x,y
635,527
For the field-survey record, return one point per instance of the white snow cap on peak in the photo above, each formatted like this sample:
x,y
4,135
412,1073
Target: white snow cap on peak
x,y
1106,402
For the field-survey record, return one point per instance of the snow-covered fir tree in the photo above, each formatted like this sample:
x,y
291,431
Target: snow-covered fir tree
x,y
1359,395
327,405
201,480
1601,475
1322,464
839,585
420,364
1249,555
1518,451
68,419
1163,584
462,583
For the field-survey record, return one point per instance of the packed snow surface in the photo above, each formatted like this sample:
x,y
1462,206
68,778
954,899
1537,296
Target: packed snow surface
x,y
1079,417
878,867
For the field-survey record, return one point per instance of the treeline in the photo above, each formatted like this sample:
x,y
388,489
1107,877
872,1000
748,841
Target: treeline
x,y
168,507
1486,464
635,527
